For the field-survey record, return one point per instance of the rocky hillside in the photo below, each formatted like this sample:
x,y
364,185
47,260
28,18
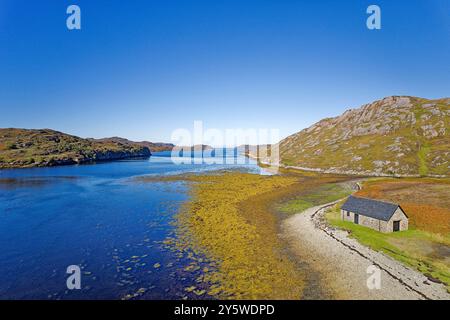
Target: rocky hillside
x,y
393,136
37,148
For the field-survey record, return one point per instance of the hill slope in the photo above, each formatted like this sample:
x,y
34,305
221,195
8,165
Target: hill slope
x,y
153,146
393,136
37,148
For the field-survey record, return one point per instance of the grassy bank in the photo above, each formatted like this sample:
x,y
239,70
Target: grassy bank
x,y
426,245
323,194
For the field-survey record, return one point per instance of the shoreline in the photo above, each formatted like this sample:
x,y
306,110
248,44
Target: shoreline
x,y
74,163
344,172
239,232
342,262
241,244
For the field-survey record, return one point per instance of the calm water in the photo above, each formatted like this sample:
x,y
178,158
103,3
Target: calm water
x,y
100,218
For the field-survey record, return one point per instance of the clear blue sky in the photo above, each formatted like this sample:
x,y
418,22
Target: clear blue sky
x,y
140,69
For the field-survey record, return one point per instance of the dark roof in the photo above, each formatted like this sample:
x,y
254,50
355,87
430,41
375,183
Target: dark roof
x,y
370,208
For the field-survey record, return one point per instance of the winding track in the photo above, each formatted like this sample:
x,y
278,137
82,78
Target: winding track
x,y
342,262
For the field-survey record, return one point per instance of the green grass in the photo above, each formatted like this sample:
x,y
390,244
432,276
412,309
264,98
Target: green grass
x,y
422,155
410,253
324,194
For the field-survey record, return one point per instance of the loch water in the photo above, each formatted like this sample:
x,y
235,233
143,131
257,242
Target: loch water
x,y
102,218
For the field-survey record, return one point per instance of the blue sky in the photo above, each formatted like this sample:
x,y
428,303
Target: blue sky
x,y
140,69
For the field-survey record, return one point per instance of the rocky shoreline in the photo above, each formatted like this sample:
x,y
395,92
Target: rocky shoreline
x,y
362,173
66,161
366,173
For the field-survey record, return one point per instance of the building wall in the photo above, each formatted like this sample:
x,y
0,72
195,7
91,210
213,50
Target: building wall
x,y
345,217
398,215
379,225
363,220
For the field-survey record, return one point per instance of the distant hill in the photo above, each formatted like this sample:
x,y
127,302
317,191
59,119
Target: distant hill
x,y
196,147
397,135
153,146
252,150
35,148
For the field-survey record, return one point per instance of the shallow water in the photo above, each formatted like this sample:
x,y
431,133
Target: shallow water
x,y
100,218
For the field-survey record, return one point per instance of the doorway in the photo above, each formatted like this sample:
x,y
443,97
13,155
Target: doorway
x,y
396,226
356,218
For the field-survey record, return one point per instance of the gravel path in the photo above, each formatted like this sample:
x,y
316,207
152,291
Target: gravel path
x,y
341,263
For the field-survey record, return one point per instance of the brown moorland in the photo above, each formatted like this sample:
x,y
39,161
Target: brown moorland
x,y
426,201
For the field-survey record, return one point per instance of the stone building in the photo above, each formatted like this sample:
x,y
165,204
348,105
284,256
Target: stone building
x,y
378,215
